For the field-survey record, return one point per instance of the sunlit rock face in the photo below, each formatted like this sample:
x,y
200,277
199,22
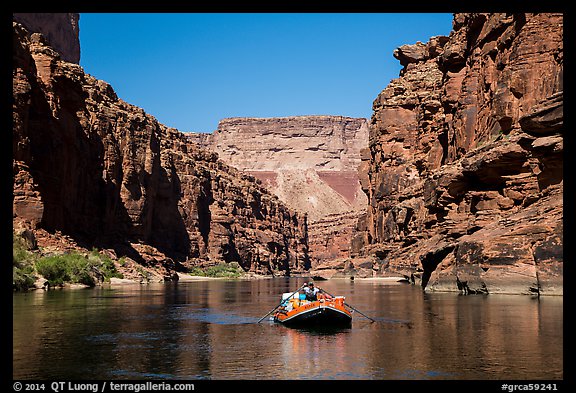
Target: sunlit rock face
x,y
464,169
310,163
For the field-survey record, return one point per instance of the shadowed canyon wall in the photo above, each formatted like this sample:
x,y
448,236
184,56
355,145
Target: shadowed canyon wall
x,y
464,169
61,31
95,171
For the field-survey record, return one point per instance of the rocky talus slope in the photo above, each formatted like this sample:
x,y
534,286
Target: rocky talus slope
x,y
90,170
310,163
464,170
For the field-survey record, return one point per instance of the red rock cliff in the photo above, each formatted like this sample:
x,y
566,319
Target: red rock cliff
x,y
309,162
106,174
464,167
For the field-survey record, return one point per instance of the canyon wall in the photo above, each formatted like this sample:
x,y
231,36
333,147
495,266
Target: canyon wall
x,y
309,162
464,170
459,187
61,31
94,171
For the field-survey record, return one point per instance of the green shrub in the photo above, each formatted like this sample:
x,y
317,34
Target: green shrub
x,y
23,277
105,265
222,270
76,268
54,269
20,254
197,271
58,269
80,269
72,267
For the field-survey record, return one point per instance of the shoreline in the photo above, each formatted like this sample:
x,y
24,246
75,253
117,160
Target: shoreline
x,y
186,278
399,279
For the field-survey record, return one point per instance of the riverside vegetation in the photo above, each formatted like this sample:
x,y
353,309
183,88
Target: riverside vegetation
x,y
57,269
222,270
31,268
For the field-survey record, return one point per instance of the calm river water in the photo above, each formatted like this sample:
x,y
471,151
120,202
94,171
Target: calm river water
x,y
208,330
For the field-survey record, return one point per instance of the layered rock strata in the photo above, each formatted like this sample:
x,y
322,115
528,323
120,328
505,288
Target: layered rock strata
x,y
464,171
309,162
104,173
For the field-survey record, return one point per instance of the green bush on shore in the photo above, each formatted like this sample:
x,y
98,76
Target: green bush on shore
x,y
222,270
72,267
106,265
77,268
23,261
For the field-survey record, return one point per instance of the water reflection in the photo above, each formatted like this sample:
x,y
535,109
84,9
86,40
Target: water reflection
x,y
208,330
314,353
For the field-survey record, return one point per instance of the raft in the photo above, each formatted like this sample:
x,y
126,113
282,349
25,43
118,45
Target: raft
x,y
295,311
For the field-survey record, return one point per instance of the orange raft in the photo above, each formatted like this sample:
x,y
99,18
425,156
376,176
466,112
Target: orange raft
x,y
300,312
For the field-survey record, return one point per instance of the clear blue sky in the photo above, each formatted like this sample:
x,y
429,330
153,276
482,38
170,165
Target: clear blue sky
x,y
192,70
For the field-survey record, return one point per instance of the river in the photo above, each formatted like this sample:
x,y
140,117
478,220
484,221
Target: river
x,y
208,329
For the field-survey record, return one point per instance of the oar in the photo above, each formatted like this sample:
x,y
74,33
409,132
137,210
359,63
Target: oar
x,y
282,301
355,309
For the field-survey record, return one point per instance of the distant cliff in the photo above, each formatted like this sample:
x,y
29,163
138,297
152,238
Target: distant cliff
x,y
92,170
464,171
309,162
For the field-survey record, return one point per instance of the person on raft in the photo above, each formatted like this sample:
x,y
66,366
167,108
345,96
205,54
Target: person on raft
x,y
313,293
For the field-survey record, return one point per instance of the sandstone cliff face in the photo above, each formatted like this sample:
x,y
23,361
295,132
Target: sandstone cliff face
x,y
323,143
61,31
106,174
464,167
309,162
